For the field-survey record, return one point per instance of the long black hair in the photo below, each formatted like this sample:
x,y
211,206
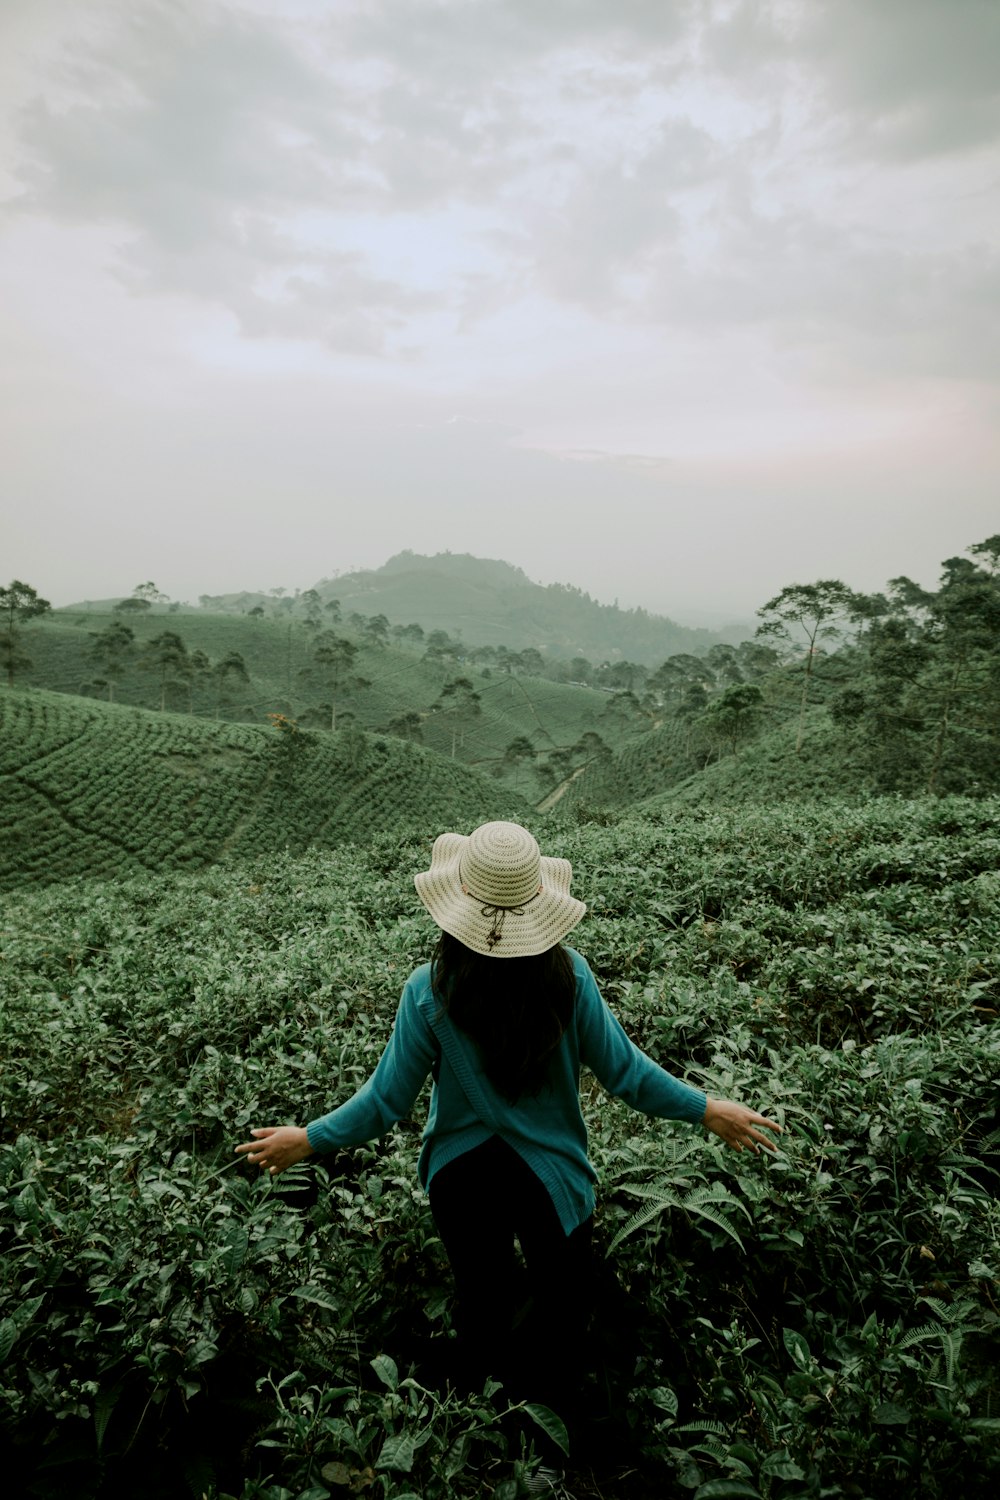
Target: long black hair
x,y
514,1009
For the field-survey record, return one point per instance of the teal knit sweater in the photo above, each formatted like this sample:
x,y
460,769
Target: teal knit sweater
x,y
548,1130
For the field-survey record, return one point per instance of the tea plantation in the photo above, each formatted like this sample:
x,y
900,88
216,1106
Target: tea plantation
x,y
102,789
821,1323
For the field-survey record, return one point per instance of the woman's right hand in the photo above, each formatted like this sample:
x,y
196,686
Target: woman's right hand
x,y
737,1125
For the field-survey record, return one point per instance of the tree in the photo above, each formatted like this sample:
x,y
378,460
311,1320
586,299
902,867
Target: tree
x,y
621,675
194,667
567,761
111,649
809,613
230,668
19,603
960,689
457,705
530,661
333,662
725,663
376,631
167,655
756,661
407,726
312,604
144,596
923,705
989,553
440,647
149,592
733,718
623,712
677,675
517,752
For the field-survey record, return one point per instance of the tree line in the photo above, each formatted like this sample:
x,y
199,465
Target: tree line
x,y
910,676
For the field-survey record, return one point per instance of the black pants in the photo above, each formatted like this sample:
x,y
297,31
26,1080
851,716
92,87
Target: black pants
x,y
481,1201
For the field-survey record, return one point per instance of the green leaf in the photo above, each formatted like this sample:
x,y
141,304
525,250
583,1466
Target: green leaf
x,y
398,1451
24,1314
104,1405
796,1346
456,1456
664,1398
726,1489
235,1252
552,1425
337,1474
385,1369
8,1338
321,1299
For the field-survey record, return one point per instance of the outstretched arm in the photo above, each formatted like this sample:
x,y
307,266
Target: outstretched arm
x,y
385,1098
627,1072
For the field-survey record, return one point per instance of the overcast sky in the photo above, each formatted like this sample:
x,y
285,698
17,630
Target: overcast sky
x,y
677,300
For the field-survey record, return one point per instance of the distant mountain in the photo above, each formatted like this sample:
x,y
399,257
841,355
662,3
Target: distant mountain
x,y
489,602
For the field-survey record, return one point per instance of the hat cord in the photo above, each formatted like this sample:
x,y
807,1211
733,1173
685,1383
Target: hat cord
x,y
497,914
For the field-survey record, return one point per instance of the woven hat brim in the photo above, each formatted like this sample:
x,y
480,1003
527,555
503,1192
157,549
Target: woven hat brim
x,y
538,925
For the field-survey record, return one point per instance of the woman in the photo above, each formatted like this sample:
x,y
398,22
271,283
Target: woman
x,y
504,1017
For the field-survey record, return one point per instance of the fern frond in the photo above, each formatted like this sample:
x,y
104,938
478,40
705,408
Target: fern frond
x,y
919,1335
719,1220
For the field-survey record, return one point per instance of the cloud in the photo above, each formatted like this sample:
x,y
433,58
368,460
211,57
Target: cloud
x,y
909,79
202,134
381,177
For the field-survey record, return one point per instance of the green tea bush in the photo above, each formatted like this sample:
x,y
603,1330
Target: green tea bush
x,y
97,789
823,1322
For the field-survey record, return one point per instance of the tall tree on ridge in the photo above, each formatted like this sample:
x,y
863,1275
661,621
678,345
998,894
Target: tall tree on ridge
x,y
19,603
112,648
457,705
809,612
167,654
333,658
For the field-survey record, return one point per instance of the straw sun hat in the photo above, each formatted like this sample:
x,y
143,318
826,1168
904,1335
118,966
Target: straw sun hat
x,y
497,894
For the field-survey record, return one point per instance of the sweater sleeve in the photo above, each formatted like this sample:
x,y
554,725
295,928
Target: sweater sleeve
x,y
623,1069
390,1091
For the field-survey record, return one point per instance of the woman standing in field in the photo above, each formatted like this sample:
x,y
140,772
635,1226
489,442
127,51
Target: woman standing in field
x,y
504,1017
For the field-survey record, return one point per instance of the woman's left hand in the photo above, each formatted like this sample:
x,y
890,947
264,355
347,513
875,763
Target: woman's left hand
x,y
276,1147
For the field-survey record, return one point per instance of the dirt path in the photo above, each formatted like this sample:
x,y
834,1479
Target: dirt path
x,y
553,797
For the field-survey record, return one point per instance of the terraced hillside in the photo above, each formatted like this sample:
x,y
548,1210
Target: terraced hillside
x,y
278,660
99,789
658,768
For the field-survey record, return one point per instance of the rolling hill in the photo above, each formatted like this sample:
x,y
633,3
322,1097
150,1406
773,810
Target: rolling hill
x,y
657,770
488,602
278,657
98,789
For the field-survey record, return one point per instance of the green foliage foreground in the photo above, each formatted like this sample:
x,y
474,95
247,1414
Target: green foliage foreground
x,y
822,1323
